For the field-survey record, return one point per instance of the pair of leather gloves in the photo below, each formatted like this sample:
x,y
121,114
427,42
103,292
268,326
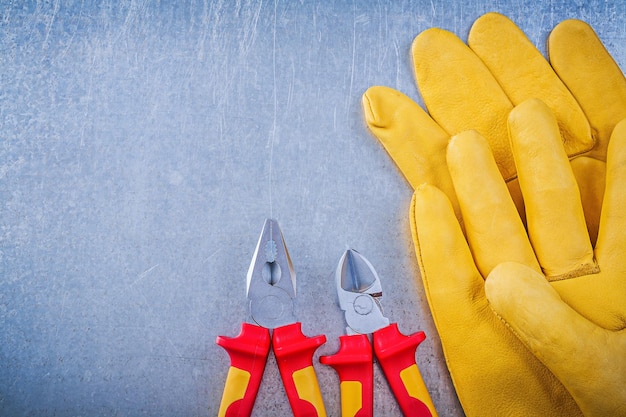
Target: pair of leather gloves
x,y
519,213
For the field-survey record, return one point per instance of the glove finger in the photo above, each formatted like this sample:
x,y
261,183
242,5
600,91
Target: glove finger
x,y
488,364
443,254
600,297
460,93
413,140
492,224
524,73
590,73
611,244
590,175
583,356
536,314
554,214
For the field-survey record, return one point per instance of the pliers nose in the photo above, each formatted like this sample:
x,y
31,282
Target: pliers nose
x,y
271,280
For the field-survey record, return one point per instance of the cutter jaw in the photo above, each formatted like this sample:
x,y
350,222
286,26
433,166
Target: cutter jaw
x,y
359,291
271,280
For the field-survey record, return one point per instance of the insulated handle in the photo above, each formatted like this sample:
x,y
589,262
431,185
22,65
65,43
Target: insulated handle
x,y
353,363
294,356
396,354
248,354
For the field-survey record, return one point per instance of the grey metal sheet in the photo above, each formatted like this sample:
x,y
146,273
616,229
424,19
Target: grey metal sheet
x,y
142,145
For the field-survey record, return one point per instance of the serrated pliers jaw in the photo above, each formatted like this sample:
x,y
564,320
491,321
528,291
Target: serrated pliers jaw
x,y
271,280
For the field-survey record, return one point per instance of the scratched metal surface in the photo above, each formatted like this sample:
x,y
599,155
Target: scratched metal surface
x,y
142,146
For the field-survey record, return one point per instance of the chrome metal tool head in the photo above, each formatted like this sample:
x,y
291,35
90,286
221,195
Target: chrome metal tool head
x,y
359,291
271,287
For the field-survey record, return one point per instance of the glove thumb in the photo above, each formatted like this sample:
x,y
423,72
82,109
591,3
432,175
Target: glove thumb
x,y
586,358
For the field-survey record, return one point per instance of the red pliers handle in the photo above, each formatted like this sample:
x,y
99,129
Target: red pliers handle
x,y
396,355
248,354
353,363
294,355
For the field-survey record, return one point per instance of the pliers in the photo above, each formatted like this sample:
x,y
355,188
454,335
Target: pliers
x,y
271,291
359,291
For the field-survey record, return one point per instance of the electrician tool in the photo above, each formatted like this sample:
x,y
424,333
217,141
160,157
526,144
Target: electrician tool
x,y
359,291
271,291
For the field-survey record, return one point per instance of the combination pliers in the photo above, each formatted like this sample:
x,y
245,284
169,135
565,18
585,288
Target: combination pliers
x,y
271,290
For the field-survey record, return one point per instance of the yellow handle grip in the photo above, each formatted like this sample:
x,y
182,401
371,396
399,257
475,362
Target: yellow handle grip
x,y
414,384
351,398
234,389
308,389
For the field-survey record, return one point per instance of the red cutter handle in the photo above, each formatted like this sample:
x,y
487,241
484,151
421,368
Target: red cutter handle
x,y
353,363
248,354
396,354
294,356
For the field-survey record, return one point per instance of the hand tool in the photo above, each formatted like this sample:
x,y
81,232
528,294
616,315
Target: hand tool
x,y
359,291
271,292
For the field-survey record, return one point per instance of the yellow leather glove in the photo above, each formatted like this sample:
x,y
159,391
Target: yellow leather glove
x,y
493,372
572,316
476,86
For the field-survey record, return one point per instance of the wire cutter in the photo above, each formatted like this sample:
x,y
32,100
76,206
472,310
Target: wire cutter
x,y
359,291
271,291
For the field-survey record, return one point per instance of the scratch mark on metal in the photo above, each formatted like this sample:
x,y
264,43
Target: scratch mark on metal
x,y
211,256
50,23
354,21
147,271
62,313
273,133
396,48
143,274
178,354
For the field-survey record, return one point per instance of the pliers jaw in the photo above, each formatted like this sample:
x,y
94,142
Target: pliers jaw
x,y
271,287
359,291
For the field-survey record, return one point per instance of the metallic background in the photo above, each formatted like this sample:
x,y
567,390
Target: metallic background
x,y
142,145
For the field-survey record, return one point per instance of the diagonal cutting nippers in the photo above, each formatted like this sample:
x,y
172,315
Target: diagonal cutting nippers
x,y
359,291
